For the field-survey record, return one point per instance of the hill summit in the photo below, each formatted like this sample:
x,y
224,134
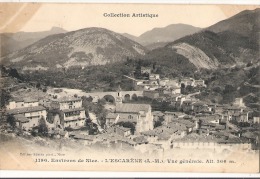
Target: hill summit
x,y
84,47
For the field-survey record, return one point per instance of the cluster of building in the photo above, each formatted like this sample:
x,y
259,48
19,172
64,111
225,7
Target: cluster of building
x,y
27,112
175,127
142,126
155,85
62,113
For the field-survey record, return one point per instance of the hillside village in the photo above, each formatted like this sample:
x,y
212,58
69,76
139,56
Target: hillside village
x,y
129,119
100,88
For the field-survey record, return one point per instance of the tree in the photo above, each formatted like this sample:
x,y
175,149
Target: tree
x,y
34,131
217,89
38,85
5,96
189,89
13,72
157,124
42,127
127,125
11,121
229,89
93,129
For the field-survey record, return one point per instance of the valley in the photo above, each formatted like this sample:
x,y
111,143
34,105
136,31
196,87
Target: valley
x,y
109,90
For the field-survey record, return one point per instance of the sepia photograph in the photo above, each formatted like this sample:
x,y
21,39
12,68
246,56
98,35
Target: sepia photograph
x,y
127,87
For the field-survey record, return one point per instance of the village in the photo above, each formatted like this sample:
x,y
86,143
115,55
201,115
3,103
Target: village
x,y
129,121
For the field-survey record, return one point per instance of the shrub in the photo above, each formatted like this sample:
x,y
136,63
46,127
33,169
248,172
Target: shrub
x,y
11,121
128,125
42,127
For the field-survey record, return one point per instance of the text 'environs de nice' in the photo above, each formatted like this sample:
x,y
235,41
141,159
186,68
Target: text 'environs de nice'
x,y
130,15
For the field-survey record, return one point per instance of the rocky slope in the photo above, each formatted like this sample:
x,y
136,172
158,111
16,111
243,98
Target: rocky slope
x,y
196,56
85,47
232,42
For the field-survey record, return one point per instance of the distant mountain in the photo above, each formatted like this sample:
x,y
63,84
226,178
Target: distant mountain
x,y
85,47
11,42
165,34
245,23
234,41
8,45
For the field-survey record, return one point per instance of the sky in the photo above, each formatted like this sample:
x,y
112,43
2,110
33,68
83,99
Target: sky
x,y
32,17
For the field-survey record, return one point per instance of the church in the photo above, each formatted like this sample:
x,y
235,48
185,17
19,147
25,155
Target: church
x,y
139,114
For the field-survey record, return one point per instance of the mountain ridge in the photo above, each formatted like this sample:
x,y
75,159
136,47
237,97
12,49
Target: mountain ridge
x,y
11,42
83,47
158,36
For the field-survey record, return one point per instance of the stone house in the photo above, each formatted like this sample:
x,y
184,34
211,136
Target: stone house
x,y
200,107
174,83
187,81
172,116
172,91
119,130
200,83
66,103
187,105
146,70
139,114
28,117
240,117
71,111
164,135
154,76
20,103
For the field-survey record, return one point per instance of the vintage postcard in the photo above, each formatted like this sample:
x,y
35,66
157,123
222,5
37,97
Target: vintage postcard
x,y
129,87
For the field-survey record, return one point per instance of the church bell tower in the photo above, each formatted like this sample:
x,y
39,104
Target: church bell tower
x,y
119,98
